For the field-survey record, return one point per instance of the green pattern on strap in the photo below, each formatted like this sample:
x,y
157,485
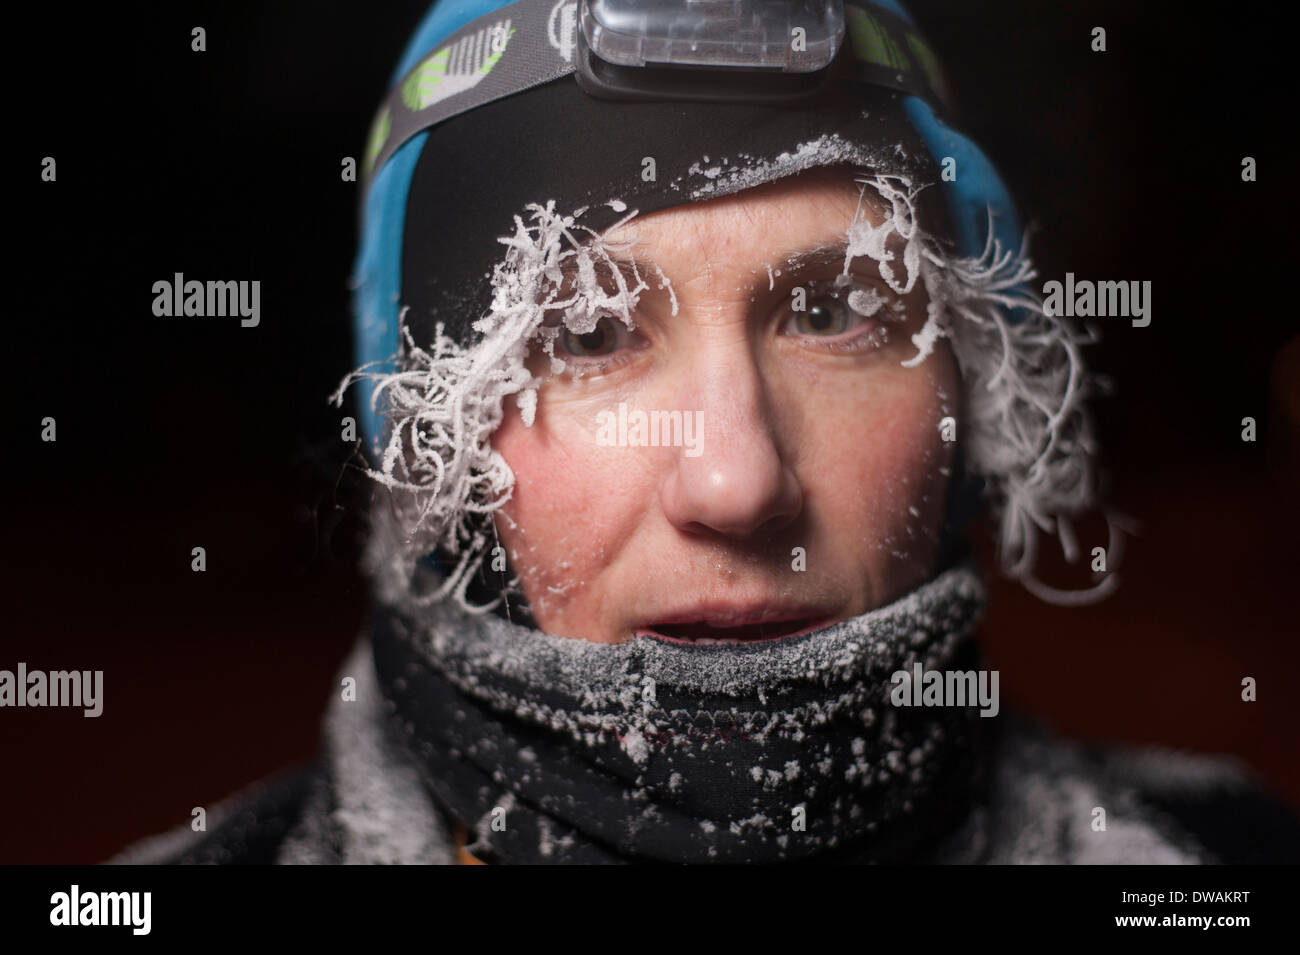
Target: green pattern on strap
x,y
420,85
491,61
430,82
378,136
872,43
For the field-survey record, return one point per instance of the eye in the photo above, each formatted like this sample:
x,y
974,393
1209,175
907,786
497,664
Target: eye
x,y
831,323
825,315
606,341
601,340
609,345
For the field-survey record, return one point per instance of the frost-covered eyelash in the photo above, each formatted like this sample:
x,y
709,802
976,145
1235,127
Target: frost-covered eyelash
x,y
874,336
580,365
846,287
873,333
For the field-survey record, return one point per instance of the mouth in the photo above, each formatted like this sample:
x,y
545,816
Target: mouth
x,y
707,634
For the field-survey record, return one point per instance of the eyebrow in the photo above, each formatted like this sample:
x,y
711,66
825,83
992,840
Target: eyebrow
x,y
800,259
627,266
816,256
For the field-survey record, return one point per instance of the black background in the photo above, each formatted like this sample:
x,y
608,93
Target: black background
x,y
176,433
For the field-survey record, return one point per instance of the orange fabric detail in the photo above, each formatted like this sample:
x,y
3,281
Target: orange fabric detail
x,y
463,857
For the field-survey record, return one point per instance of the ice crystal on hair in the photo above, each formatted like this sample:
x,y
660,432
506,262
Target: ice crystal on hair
x,y
444,401
1027,429
1029,434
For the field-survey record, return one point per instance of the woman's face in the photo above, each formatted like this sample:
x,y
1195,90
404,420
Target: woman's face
x,y
807,483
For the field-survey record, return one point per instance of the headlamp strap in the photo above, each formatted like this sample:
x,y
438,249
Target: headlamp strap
x,y
530,42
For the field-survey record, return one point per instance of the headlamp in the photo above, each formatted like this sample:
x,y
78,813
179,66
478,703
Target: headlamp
x,y
753,51
794,36
739,50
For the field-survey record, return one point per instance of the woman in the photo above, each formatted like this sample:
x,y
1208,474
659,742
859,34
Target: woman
x,y
699,378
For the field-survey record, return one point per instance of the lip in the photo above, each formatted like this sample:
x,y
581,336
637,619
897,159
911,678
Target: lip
x,y
733,624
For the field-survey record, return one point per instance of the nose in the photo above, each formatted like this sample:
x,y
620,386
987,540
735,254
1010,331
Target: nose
x,y
739,482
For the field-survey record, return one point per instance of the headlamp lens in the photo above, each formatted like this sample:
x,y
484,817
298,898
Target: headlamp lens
x,y
792,36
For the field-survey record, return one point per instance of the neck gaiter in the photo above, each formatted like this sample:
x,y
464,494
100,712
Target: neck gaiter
x,y
560,750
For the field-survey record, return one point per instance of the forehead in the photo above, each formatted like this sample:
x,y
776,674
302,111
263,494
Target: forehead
x,y
792,219
805,196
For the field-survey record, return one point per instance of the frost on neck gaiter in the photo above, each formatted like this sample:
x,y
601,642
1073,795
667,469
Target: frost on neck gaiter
x,y
1025,423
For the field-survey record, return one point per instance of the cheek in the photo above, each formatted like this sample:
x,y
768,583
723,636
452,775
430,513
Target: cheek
x,y
885,473
569,500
